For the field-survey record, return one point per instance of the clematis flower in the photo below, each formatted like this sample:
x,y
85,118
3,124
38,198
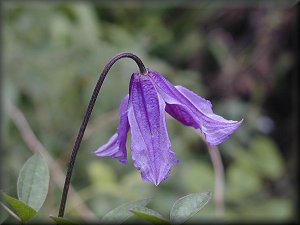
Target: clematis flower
x,y
143,111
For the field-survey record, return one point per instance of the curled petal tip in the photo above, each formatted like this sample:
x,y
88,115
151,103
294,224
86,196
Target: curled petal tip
x,y
223,134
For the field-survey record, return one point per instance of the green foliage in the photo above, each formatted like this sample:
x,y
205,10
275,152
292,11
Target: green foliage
x,y
62,221
33,182
122,213
195,170
242,183
101,175
32,187
34,176
268,161
182,210
52,57
23,211
187,206
149,215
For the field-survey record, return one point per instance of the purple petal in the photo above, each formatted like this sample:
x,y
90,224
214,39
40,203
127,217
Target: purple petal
x,y
116,146
150,144
192,110
215,128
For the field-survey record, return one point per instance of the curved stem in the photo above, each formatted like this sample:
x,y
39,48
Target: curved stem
x,y
86,118
219,178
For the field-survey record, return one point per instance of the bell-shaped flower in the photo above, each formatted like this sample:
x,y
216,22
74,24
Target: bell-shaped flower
x,y
143,111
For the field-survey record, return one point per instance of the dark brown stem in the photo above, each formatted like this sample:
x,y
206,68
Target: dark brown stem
x,y
86,118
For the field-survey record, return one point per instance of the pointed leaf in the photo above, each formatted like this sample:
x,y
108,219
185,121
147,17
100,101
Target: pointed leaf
x,y
149,215
33,182
62,221
23,211
187,206
122,213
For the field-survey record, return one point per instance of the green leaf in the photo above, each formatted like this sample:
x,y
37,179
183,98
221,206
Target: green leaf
x,y
122,213
23,211
33,182
237,190
149,215
191,173
62,221
187,206
267,158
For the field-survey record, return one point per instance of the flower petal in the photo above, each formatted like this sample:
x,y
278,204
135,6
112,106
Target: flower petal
x,y
150,144
215,128
192,110
116,146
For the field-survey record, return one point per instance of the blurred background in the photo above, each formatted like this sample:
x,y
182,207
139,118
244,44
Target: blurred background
x,y
239,56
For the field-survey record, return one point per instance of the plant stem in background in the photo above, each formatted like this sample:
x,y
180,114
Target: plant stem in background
x,y
219,179
10,212
86,118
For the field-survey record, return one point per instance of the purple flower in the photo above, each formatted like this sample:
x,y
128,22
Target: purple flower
x,y
143,111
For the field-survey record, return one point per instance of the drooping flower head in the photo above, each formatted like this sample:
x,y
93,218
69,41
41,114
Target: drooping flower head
x,y
143,111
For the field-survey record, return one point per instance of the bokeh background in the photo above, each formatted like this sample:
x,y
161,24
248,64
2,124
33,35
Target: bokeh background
x,y
240,56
